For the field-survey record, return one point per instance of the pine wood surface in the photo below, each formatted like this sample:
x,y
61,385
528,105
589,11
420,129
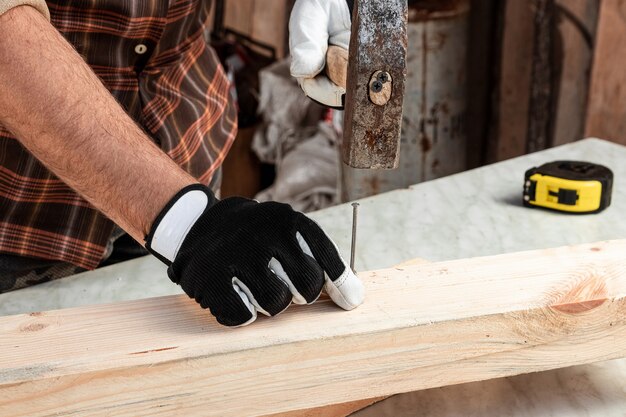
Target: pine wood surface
x,y
421,326
336,410
344,409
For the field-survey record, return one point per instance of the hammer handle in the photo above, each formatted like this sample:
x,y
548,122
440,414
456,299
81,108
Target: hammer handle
x,y
337,65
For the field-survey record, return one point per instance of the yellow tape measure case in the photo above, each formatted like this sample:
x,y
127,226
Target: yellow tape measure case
x,y
569,186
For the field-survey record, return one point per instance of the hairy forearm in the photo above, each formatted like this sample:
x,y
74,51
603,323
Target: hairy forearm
x,y
60,111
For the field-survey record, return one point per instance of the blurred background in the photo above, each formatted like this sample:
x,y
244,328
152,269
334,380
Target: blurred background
x,y
487,81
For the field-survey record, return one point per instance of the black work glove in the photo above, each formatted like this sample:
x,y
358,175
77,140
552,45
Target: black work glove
x,y
238,257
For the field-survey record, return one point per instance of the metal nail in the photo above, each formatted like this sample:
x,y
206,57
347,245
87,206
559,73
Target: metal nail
x,y
355,212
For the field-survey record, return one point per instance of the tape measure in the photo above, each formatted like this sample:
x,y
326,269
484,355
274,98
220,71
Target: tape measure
x,y
569,186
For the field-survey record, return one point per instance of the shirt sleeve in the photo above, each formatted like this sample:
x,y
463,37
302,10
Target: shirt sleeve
x,y
6,5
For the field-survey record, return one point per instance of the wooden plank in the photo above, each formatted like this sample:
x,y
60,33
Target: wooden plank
x,y
420,327
238,15
538,134
551,109
264,21
507,138
577,28
606,113
241,170
345,409
270,24
338,410
480,76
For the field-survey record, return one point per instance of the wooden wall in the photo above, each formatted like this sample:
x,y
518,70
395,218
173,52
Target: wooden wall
x,y
606,116
263,20
511,83
517,75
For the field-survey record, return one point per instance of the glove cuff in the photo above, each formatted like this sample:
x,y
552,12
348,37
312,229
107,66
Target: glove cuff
x,y
170,228
323,91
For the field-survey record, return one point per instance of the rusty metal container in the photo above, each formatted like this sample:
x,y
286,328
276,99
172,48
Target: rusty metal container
x,y
434,136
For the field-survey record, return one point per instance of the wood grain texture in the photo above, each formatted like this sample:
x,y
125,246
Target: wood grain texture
x,y
241,170
512,97
270,23
538,135
606,113
238,15
338,410
345,409
577,27
337,65
421,326
262,20
547,109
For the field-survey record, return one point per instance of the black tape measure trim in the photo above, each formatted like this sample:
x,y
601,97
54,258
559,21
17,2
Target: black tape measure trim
x,y
565,196
576,171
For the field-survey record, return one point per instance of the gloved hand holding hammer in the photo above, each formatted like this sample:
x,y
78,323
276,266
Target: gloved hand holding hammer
x,y
319,37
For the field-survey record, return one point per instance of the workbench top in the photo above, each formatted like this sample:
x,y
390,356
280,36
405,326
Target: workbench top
x,y
474,213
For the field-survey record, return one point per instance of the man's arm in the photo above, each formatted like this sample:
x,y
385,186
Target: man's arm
x,y
236,257
53,102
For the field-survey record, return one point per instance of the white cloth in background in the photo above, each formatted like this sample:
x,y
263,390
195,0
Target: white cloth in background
x,y
288,115
292,137
307,176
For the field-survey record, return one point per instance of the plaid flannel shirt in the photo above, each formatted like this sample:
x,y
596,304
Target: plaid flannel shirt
x,y
153,58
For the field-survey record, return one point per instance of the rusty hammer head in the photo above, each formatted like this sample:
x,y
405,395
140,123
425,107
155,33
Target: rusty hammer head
x,y
375,84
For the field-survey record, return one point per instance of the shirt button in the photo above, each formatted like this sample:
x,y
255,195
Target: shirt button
x,y
141,49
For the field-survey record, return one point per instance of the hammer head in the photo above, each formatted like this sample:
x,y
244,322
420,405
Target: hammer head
x,y
375,84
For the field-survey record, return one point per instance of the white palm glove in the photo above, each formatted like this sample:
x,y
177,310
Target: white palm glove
x,y
238,257
313,26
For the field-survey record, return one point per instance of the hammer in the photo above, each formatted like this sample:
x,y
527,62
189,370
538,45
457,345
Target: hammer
x,y
373,75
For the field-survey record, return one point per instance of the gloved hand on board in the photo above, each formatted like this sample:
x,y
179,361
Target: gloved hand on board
x,y
239,257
